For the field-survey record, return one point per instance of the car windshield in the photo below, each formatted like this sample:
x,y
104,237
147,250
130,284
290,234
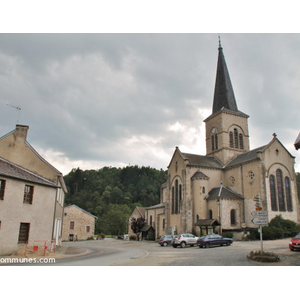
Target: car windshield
x,y
297,236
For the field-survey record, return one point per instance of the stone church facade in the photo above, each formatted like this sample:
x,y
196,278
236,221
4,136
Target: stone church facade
x,y
215,192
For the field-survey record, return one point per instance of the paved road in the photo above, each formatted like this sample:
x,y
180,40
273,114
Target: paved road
x,y
112,252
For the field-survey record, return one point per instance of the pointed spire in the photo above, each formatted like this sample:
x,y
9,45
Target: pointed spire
x,y
224,95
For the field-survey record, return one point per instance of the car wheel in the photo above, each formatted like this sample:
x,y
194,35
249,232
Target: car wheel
x,y
207,245
165,244
182,244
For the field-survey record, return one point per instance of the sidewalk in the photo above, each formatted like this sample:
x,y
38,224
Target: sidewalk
x,y
60,252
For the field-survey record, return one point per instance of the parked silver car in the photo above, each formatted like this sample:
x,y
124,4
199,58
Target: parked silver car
x,y
184,239
165,240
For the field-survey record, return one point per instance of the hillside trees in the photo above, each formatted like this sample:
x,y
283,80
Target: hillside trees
x,y
112,193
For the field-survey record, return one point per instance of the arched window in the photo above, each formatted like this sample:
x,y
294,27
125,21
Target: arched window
x,y
232,217
280,190
180,192
210,214
203,190
241,141
173,200
288,194
236,141
150,220
216,141
176,196
273,193
231,139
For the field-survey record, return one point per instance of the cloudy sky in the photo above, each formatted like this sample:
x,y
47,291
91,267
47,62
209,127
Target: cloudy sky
x,y
95,100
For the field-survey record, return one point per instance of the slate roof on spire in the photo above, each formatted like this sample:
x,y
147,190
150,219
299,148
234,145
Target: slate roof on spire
x,y
224,95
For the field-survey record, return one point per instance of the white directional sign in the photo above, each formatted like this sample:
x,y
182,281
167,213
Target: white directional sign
x,y
260,220
259,213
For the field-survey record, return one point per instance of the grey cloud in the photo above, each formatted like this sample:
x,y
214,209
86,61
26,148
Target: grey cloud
x,y
111,98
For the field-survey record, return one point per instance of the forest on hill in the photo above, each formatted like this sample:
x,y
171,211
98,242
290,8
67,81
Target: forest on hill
x,y
111,194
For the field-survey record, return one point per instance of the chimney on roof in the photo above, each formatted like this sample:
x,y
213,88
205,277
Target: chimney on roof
x,y
21,131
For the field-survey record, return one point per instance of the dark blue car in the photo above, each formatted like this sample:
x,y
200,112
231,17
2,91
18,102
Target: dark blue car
x,y
212,240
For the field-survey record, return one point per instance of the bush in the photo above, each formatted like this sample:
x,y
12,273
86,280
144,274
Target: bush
x,y
271,233
254,235
279,228
101,236
228,234
132,238
263,256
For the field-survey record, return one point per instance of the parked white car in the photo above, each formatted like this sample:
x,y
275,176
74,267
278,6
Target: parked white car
x,y
184,239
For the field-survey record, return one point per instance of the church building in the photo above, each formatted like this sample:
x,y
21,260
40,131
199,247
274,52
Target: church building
x,y
215,192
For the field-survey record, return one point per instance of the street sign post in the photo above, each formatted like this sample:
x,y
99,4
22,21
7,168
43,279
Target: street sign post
x,y
260,217
260,220
259,213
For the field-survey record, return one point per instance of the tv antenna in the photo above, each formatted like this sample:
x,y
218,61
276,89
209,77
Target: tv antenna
x,y
17,108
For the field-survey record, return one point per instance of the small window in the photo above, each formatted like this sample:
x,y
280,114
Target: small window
x,y
241,140
231,139
203,190
24,233
2,189
210,214
72,224
28,194
236,140
88,228
216,141
232,217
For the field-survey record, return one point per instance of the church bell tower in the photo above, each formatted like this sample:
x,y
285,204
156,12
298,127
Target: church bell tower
x,y
226,128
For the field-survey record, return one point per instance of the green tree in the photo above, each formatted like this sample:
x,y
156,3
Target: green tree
x,y
97,190
115,220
